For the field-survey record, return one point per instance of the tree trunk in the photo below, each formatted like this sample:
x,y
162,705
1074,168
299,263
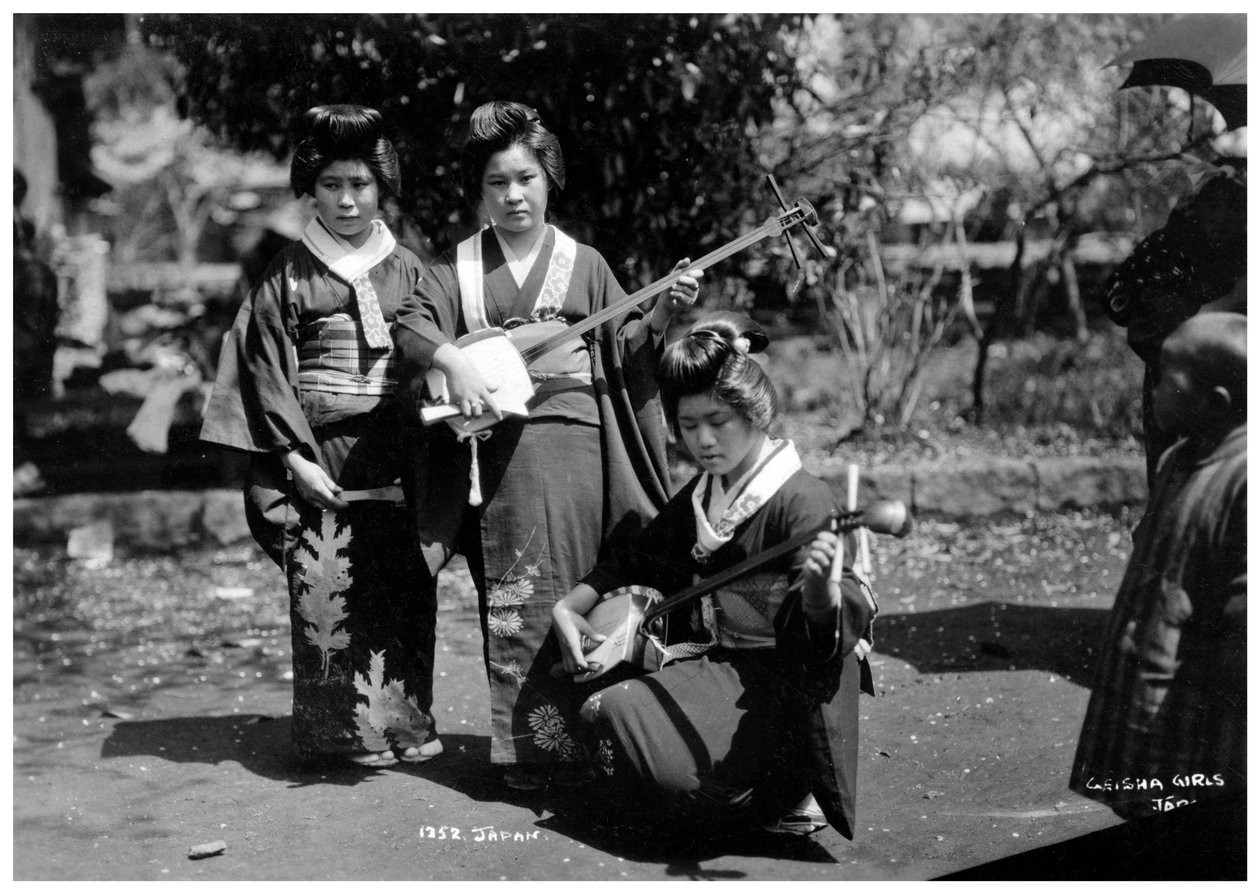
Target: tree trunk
x,y
1014,286
1072,292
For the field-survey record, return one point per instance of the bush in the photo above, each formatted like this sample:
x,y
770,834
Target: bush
x,y
1040,385
1095,387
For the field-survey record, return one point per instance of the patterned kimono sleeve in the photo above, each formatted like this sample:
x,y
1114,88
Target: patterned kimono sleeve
x,y
254,404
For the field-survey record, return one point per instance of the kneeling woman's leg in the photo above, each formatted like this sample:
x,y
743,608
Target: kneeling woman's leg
x,y
704,732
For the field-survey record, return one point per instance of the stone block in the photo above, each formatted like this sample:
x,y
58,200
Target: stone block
x,y
223,517
50,519
974,489
157,520
885,483
1074,482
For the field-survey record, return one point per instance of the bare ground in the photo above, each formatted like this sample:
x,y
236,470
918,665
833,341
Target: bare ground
x,y
151,703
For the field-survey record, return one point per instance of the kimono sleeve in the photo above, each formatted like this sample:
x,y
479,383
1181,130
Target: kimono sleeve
x,y
809,508
657,556
638,346
1232,571
631,416
429,317
254,404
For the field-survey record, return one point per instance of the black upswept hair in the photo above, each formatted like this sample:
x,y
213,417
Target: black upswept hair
x,y
713,358
344,133
496,126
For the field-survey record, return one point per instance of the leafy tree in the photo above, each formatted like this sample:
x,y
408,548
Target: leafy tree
x,y
657,114
897,108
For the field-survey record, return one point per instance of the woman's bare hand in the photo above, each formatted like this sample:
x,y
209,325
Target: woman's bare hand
x,y
312,482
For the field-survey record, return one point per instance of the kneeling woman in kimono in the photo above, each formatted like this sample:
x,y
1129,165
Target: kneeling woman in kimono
x,y
306,384
765,718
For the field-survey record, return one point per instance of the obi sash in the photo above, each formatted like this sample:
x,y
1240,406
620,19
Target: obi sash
x,y
334,357
745,610
353,266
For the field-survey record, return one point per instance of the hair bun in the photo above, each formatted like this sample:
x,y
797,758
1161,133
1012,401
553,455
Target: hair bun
x,y
343,124
741,331
501,121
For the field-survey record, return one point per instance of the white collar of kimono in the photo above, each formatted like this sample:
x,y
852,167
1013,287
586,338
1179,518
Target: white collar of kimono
x,y
471,274
715,525
520,265
352,265
345,261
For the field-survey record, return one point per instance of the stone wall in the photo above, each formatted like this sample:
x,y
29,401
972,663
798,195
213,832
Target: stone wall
x,y
165,520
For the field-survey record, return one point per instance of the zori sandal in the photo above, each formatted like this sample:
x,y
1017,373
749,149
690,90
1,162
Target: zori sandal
x,y
372,759
418,755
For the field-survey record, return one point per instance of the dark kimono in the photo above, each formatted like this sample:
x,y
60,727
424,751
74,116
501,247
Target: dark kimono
x,y
1198,257
765,716
1167,721
296,373
586,467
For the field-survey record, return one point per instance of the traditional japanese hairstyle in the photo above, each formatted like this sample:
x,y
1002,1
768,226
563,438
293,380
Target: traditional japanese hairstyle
x,y
344,133
496,126
712,358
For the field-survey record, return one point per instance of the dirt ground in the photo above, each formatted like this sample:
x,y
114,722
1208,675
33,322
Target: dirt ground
x,y
151,715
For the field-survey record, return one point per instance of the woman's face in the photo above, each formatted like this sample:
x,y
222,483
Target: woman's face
x,y
347,200
514,189
720,440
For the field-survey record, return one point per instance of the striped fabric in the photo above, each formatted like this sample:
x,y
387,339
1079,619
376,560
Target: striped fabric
x,y
334,357
352,266
1166,724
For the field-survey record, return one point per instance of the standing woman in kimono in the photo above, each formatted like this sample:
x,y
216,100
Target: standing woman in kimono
x,y
306,383
531,504
757,721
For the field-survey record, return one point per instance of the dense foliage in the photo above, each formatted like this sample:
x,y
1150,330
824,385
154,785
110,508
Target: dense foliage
x,y
656,114
937,129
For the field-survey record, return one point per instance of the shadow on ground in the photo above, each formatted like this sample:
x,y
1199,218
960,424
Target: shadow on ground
x,y
996,636
1205,841
586,815
681,848
260,745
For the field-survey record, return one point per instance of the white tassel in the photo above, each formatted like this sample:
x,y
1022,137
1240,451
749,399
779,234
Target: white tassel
x,y
474,473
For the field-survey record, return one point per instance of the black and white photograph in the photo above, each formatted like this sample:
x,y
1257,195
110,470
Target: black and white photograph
x,y
631,446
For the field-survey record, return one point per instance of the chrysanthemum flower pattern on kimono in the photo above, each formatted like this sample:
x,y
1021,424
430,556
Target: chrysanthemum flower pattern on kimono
x,y
550,733
504,621
511,591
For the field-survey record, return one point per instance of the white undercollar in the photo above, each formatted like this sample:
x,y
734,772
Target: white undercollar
x,y
520,266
